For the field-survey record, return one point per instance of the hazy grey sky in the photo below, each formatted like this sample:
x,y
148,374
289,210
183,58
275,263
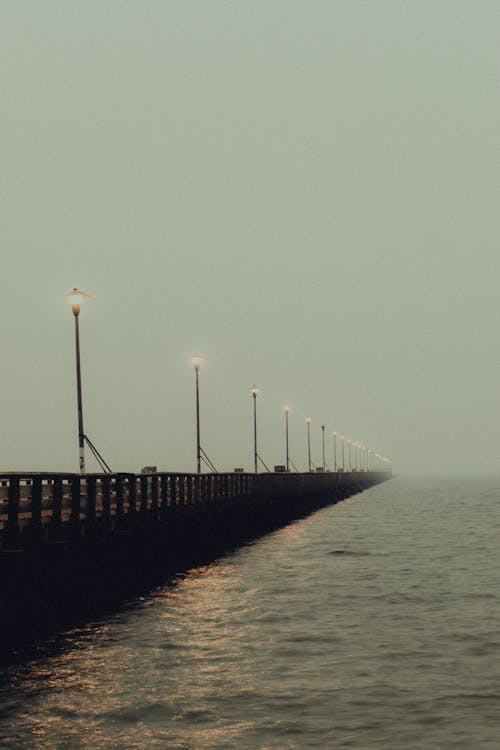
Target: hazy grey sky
x,y
305,192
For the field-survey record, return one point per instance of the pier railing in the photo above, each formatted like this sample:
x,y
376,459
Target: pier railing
x,y
41,507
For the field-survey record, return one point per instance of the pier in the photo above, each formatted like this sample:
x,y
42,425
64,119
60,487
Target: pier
x,y
72,544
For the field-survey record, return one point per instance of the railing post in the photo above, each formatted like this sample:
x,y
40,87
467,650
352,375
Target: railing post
x,y
119,500
192,488
225,492
203,493
35,526
179,495
172,496
55,525
74,518
219,492
154,496
132,493
91,493
106,501
183,494
163,497
144,495
11,534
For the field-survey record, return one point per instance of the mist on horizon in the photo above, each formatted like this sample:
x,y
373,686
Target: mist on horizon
x,y
304,193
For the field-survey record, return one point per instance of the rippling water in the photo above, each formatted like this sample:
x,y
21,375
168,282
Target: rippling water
x,y
371,624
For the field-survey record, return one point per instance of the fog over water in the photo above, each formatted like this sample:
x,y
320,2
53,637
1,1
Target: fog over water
x,y
306,193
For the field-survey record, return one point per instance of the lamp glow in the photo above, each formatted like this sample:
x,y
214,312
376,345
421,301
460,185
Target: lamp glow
x,y
75,298
197,361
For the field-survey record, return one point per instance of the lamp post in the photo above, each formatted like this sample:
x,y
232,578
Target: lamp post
x,y
308,423
349,443
334,435
286,409
197,359
76,297
343,461
323,426
254,390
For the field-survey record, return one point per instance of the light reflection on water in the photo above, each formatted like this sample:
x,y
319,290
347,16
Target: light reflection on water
x,y
373,623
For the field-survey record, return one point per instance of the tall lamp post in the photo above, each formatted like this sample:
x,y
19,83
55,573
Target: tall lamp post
x,y
349,443
308,423
254,390
286,409
197,359
323,426
76,297
334,435
343,453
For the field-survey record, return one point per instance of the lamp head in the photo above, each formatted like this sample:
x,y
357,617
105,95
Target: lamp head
x,y
75,298
255,390
286,409
197,360
308,420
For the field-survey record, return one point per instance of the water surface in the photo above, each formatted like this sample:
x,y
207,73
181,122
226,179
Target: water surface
x,y
371,624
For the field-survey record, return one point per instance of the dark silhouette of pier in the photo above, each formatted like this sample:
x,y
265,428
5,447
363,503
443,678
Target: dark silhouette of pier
x,y
72,544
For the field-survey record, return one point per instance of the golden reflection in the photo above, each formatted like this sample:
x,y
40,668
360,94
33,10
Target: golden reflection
x,y
159,670
185,667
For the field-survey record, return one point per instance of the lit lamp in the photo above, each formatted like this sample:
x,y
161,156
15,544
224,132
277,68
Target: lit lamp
x,y
286,409
197,360
254,390
308,423
75,298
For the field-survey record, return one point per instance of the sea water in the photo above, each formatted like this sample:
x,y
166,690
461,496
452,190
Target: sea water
x,y
373,623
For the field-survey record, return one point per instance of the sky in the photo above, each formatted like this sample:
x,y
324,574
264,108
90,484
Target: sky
x,y
306,192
